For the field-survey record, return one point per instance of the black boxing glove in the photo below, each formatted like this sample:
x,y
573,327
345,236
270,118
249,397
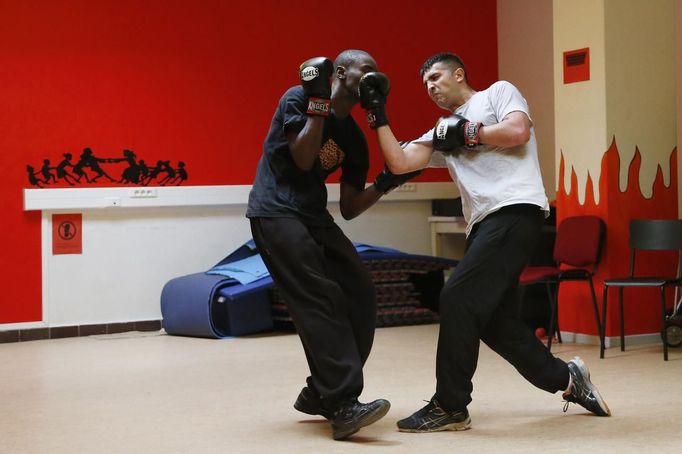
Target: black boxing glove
x,y
373,90
315,76
387,181
455,131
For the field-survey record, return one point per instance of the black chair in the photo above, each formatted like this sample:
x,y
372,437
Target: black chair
x,y
656,235
577,250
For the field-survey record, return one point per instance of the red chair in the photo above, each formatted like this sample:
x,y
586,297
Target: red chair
x,y
577,250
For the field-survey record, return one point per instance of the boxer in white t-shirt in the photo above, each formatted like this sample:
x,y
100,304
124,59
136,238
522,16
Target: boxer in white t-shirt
x,y
488,145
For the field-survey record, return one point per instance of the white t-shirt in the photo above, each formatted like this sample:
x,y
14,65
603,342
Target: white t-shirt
x,y
491,177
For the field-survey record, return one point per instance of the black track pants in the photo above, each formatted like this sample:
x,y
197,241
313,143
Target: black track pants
x,y
480,302
330,297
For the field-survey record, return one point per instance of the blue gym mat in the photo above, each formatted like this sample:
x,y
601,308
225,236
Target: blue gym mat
x,y
232,298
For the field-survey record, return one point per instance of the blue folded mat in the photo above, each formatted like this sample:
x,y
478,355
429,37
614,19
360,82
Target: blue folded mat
x,y
232,298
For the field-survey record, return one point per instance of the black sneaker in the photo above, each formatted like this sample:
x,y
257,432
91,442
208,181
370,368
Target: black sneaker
x,y
353,415
433,418
582,391
310,403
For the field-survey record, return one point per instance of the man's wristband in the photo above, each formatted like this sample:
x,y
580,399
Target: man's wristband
x,y
471,134
319,106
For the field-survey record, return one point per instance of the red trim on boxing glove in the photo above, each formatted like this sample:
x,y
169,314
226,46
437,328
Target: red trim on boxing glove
x,y
471,134
376,118
371,119
319,106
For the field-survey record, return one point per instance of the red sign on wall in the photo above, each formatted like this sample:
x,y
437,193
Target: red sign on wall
x,y
576,65
67,234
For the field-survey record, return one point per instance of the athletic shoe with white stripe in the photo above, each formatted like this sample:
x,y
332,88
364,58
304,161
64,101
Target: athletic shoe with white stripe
x,y
582,391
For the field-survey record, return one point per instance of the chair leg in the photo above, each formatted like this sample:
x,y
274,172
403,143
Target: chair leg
x,y
664,331
602,333
594,306
622,319
552,313
557,328
550,328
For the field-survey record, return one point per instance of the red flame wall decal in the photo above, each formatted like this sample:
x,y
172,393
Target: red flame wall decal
x,y
617,208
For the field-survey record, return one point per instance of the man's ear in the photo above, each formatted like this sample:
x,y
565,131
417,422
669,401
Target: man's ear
x,y
340,72
459,75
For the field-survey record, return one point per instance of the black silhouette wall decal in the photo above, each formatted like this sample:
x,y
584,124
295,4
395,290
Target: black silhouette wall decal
x,y
89,168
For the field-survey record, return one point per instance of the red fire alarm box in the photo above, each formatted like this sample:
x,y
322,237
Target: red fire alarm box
x,y
576,65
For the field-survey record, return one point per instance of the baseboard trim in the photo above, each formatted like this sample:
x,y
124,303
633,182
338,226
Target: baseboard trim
x,y
612,341
60,332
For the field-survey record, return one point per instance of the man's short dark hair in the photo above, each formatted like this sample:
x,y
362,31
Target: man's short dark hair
x,y
348,57
446,57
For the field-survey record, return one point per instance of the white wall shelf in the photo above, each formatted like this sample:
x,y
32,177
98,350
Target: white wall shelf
x,y
178,196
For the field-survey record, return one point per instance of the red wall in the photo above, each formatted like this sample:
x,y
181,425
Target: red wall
x,y
192,81
616,208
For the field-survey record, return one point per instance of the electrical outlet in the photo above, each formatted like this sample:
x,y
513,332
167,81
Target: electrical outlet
x,y
139,193
406,187
113,201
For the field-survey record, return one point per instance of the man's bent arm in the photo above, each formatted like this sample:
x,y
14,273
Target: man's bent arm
x,y
399,160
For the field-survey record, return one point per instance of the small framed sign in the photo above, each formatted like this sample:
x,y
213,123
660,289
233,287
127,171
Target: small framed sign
x,y
67,237
576,65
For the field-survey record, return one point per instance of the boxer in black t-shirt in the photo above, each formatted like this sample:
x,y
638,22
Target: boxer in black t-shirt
x,y
327,288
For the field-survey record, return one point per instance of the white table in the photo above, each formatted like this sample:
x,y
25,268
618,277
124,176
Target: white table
x,y
444,225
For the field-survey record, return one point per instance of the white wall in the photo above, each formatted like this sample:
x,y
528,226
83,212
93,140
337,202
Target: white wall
x,y
640,82
580,108
131,250
128,255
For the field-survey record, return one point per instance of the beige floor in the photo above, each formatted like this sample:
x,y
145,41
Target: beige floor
x,y
154,393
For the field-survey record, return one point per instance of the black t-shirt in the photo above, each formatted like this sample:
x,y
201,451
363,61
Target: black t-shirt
x,y
281,189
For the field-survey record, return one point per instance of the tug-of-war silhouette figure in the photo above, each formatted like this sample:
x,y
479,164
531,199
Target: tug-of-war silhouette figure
x,y
89,168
